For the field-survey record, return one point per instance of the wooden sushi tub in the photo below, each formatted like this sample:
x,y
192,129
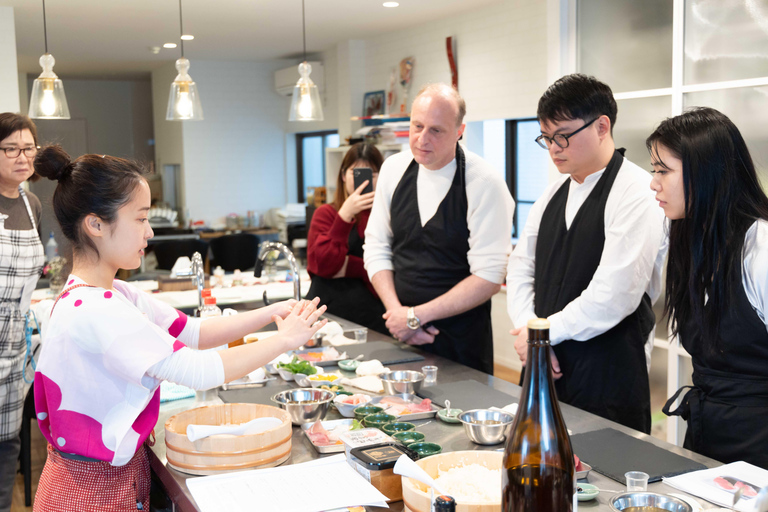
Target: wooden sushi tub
x,y
416,495
214,454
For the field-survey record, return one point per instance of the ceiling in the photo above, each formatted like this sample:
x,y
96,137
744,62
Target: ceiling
x,y
112,38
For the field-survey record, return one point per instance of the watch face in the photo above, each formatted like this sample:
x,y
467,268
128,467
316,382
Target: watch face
x,y
413,323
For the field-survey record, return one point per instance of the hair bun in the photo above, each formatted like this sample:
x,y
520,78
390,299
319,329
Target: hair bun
x,y
53,163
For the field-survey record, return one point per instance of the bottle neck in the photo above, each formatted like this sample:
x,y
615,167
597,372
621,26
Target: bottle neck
x,y
538,383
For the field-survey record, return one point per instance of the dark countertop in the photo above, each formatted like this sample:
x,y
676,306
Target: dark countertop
x,y
451,437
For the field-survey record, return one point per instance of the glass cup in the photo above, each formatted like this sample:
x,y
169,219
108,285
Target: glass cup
x,y
361,335
636,481
430,374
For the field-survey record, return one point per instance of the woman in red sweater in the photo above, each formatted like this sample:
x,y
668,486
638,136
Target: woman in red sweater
x,y
335,245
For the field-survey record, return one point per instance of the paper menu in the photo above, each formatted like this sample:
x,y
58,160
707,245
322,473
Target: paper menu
x,y
323,484
719,484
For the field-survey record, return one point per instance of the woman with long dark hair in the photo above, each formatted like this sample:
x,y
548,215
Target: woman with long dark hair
x,y
335,245
717,280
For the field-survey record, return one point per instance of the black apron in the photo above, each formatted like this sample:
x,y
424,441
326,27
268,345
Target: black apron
x,y
727,406
429,260
349,297
606,375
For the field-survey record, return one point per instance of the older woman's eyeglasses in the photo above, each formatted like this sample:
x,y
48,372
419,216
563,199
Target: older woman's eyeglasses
x,y
561,139
15,152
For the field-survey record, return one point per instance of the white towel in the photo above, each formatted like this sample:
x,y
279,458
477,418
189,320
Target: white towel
x,y
195,432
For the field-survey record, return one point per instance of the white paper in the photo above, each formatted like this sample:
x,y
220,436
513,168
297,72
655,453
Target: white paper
x,y
704,484
322,484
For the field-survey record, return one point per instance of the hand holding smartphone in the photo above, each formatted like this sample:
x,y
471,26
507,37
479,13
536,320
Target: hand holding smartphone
x,y
362,174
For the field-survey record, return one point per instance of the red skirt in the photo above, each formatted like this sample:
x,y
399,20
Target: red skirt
x,y
72,485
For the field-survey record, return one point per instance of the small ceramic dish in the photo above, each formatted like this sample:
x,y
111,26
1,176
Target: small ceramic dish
x,y
425,449
397,426
302,380
349,365
586,492
287,375
584,471
348,410
449,415
378,420
364,410
409,437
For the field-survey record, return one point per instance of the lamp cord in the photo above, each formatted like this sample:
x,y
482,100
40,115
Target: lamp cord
x,y
45,28
181,30
303,30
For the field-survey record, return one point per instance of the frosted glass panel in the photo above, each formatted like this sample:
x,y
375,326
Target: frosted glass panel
x,y
725,40
523,209
532,162
635,121
495,145
745,107
312,159
626,43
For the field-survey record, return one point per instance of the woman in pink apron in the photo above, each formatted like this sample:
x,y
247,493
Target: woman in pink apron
x,y
21,260
109,345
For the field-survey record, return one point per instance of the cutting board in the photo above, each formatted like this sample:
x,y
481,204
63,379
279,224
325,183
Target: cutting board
x,y
613,453
387,353
253,395
466,395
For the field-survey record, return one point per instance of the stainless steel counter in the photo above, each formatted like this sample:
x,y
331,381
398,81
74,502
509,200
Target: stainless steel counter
x,y
451,437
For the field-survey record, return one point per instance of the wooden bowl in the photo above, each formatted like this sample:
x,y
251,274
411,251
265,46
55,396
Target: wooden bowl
x,y
216,454
416,494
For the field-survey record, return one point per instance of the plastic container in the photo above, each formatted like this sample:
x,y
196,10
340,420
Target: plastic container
x,y
376,464
363,437
210,310
51,248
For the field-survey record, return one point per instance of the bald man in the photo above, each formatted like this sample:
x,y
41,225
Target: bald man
x,y
439,236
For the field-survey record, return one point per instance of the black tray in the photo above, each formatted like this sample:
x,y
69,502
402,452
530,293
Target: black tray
x,y
613,453
466,395
387,353
253,395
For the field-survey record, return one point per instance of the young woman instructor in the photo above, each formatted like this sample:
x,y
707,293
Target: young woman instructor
x,y
717,281
109,345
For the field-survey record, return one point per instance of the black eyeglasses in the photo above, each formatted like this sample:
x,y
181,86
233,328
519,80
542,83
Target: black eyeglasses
x,y
560,139
15,152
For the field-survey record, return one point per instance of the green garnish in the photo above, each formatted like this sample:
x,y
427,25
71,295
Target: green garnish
x,y
299,366
356,425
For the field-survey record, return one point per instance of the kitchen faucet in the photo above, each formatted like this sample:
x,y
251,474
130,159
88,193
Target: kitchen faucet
x,y
264,249
197,272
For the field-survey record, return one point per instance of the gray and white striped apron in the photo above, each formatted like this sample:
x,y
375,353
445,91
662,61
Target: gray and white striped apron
x,y
21,260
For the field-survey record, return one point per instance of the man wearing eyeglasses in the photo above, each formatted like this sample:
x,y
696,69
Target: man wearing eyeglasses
x,y
590,257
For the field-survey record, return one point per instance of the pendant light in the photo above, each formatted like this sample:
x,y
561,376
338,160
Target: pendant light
x,y
48,100
305,104
183,102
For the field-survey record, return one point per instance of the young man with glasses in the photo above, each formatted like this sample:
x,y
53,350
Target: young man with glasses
x,y
590,257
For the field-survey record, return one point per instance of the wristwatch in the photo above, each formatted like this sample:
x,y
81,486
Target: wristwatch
x,y
413,321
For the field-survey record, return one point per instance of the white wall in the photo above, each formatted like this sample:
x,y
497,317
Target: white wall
x,y
501,54
9,74
234,160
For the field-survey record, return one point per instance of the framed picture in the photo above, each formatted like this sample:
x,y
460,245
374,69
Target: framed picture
x,y
373,103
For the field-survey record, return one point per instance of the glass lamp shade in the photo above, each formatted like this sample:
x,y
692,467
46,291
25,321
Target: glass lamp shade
x,y
184,101
305,105
48,100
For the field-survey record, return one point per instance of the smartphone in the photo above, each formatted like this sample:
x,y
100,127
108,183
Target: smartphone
x,y
362,174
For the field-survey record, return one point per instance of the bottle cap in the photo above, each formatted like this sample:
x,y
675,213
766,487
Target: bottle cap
x,y
209,301
538,323
206,292
445,504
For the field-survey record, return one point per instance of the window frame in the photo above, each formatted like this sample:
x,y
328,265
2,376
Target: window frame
x,y
300,197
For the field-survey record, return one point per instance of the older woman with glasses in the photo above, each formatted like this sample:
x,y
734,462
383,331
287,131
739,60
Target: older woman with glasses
x,y
21,260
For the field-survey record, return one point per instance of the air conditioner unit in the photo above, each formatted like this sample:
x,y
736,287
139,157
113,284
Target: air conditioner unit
x,y
285,79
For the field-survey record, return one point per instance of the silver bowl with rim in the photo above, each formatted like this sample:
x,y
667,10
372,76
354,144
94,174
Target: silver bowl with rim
x,y
305,405
648,502
401,381
486,426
